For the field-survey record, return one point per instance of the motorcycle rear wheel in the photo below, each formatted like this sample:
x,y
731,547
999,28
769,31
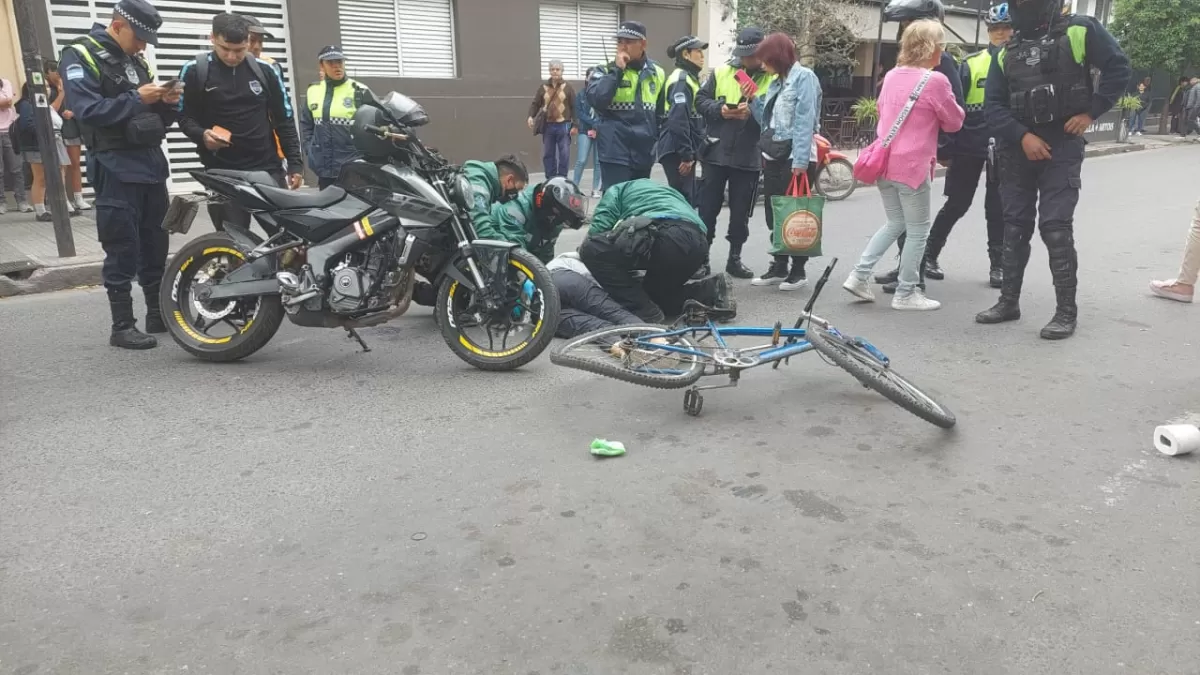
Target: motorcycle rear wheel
x,y
252,322
836,180
542,317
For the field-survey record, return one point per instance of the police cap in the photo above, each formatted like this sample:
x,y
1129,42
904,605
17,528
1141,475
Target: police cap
x,y
142,17
331,53
748,41
684,43
631,30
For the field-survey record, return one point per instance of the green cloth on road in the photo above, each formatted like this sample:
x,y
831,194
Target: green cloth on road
x,y
515,222
603,448
642,197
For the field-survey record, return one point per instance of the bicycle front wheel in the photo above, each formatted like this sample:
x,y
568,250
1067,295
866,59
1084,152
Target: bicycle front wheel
x,y
634,354
869,371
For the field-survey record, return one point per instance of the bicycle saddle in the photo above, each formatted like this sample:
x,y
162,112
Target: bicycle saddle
x,y
699,310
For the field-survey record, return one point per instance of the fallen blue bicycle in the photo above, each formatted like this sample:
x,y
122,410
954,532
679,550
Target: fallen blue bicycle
x,y
694,346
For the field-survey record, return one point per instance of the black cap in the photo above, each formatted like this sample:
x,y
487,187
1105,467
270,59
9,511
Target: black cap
x,y
748,41
142,17
256,27
331,53
631,30
685,42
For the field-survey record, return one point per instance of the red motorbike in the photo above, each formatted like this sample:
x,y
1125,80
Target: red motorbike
x,y
835,172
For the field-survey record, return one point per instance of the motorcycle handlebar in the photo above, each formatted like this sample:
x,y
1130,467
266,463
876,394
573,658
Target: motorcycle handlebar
x,y
385,132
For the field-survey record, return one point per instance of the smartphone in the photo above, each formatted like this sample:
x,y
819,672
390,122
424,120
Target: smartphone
x,y
223,134
743,79
172,84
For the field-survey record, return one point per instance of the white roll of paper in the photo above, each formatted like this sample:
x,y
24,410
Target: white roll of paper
x,y
1177,439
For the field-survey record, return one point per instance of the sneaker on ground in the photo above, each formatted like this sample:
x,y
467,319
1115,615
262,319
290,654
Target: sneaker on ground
x,y
82,204
794,281
775,274
3,208
859,288
914,302
45,217
25,207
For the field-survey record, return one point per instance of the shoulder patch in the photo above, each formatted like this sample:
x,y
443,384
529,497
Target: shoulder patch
x,y
75,72
599,73
679,98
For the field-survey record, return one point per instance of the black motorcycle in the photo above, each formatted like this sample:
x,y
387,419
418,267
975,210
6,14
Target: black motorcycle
x,y
348,256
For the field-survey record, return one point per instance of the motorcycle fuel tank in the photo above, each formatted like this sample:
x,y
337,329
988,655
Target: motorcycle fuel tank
x,y
399,190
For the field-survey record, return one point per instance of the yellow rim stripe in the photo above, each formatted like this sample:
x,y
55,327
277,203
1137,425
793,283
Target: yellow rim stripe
x,y
509,352
196,336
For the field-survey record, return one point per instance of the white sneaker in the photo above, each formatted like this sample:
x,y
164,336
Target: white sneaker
x,y
25,207
3,208
82,205
859,288
914,302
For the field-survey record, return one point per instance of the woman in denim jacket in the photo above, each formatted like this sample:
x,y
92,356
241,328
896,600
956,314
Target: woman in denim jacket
x,y
586,122
789,114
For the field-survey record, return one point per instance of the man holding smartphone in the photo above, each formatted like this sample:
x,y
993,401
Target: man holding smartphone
x,y
123,117
233,107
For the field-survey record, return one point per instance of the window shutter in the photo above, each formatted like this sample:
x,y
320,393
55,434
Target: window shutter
x,y
426,38
370,37
580,34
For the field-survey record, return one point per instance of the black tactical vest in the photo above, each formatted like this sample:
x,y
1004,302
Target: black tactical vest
x,y
1048,79
118,74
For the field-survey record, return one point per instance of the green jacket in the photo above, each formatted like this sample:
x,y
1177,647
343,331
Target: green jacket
x,y
485,180
642,197
515,223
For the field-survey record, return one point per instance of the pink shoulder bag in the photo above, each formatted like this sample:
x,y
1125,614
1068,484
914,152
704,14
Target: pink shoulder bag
x,y
873,160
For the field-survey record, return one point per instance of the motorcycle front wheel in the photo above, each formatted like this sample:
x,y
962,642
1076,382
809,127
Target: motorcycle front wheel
x,y
836,180
513,335
214,330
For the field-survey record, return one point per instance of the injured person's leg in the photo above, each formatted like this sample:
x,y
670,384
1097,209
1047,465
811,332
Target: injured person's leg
x,y
585,306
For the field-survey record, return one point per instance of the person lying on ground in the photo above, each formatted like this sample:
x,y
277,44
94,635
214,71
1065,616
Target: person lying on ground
x,y
643,225
585,306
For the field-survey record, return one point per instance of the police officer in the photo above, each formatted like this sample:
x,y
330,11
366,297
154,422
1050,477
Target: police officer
x,y
327,115
123,116
905,12
972,152
1039,101
682,134
627,95
732,158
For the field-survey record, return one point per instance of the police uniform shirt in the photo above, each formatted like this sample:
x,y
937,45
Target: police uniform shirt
x,y
235,99
87,102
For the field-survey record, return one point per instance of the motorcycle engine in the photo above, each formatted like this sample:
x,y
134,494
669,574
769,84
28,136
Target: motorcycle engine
x,y
365,280
348,291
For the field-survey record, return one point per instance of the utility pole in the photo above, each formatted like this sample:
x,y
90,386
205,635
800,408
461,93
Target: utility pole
x,y
47,144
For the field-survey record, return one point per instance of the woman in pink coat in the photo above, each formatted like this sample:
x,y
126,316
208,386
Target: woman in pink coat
x,y
905,185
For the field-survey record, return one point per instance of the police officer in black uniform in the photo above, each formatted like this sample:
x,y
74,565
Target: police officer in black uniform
x,y
1039,101
124,117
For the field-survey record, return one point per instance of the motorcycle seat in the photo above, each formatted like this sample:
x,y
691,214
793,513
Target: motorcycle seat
x,y
251,177
302,199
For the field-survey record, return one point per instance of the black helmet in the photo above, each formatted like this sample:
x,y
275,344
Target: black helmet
x,y
912,10
1031,17
369,144
558,201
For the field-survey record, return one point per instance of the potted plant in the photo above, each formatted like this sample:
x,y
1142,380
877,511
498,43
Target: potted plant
x,y
1127,104
866,114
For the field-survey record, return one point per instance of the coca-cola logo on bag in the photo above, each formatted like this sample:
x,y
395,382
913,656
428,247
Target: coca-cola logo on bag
x,y
801,230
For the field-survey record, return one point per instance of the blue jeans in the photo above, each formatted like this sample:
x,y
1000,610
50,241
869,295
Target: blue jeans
x,y
587,150
907,212
556,148
1138,121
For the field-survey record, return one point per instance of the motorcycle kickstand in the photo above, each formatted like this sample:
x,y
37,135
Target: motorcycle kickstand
x,y
356,336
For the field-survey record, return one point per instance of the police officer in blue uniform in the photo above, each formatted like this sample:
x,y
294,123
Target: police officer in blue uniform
x,y
1039,100
627,95
124,117
682,135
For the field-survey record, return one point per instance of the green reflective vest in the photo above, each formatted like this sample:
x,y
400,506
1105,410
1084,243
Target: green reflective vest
x,y
693,84
626,97
978,65
726,85
342,105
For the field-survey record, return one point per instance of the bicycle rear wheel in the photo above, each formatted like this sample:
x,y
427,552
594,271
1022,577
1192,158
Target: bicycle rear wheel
x,y
869,371
625,353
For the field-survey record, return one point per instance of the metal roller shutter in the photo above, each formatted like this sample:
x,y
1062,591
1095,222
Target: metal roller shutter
x,y
580,34
185,32
398,38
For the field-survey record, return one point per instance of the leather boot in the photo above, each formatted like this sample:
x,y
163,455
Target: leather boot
x,y
124,326
154,318
734,266
1064,265
1016,255
996,267
704,272
932,269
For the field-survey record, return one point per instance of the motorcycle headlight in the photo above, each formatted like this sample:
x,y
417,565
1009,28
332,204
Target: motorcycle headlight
x,y
464,194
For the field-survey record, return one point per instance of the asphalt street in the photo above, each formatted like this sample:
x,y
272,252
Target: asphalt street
x,y
318,510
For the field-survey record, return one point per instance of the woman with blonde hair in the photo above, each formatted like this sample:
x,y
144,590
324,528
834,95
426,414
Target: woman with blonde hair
x,y
915,102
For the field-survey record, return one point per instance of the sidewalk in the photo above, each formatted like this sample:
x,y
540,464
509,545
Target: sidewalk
x,y
29,261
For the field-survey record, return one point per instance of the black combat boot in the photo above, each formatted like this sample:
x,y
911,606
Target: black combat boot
x,y
154,318
1016,255
891,286
124,327
704,272
734,266
1064,265
932,269
996,269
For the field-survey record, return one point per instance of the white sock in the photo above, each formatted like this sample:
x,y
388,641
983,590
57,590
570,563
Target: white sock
x,y
39,209
78,198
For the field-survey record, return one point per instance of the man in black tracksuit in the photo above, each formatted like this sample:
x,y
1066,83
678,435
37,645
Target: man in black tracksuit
x,y
235,90
1040,99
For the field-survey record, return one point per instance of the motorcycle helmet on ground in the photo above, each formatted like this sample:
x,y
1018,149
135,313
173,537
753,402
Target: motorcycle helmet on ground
x,y
998,16
558,201
912,10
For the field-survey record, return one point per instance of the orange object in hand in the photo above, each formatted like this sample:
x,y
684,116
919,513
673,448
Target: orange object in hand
x,y
223,134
